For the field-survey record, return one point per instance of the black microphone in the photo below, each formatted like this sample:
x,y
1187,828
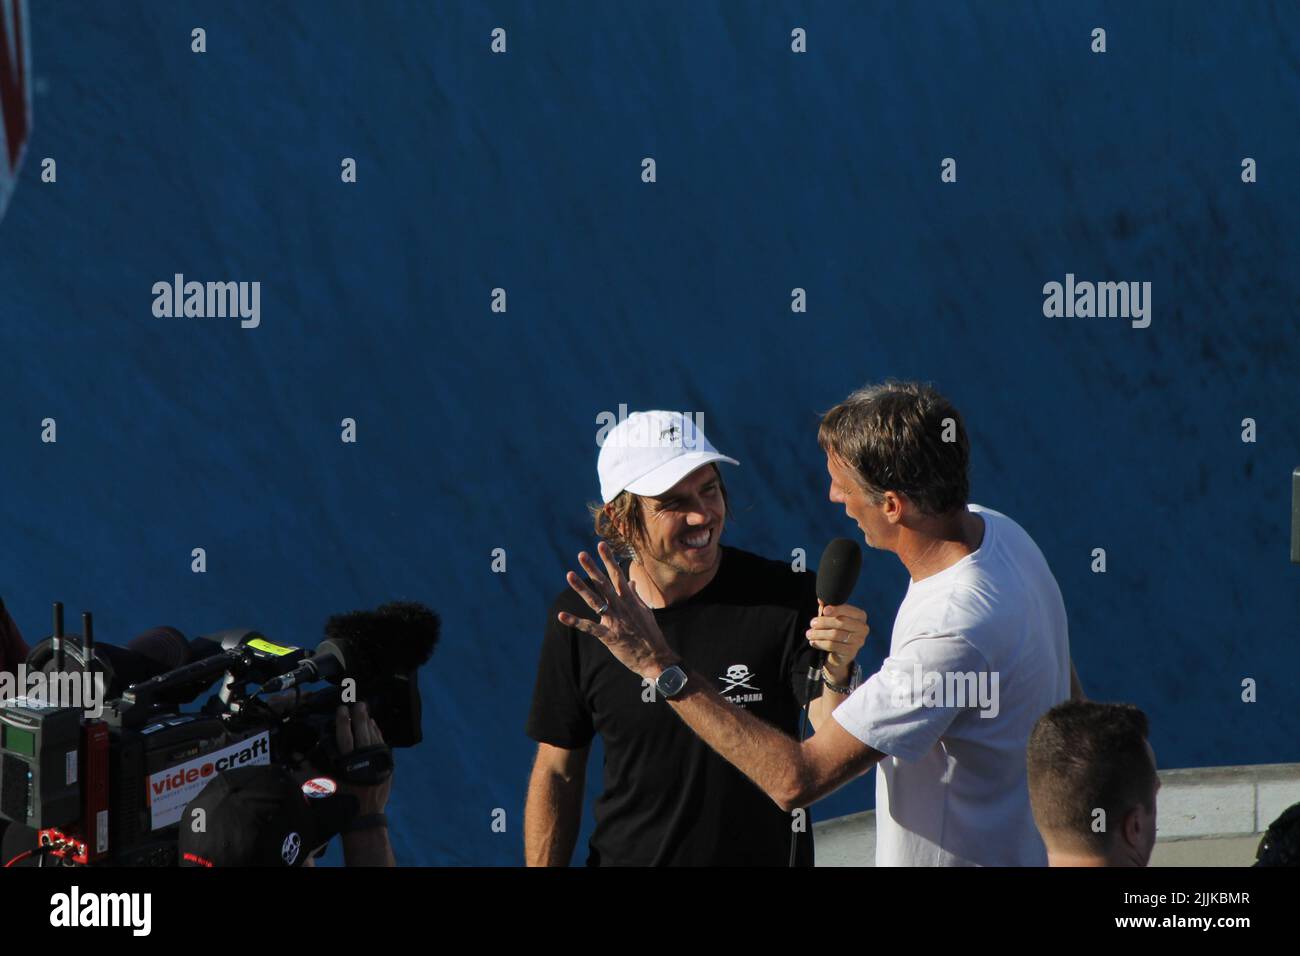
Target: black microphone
x,y
330,663
837,575
383,650
395,638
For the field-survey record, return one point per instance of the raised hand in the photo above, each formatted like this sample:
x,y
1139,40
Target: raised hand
x,y
626,626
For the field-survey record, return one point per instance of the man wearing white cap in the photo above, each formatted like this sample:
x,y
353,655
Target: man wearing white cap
x,y
751,627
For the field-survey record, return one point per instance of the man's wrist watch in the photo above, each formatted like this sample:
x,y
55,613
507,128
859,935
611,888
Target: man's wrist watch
x,y
670,683
855,680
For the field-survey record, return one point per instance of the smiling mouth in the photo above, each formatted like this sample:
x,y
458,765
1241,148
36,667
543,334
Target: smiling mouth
x,y
698,541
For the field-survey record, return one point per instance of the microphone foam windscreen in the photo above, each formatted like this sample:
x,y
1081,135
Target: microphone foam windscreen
x,y
837,573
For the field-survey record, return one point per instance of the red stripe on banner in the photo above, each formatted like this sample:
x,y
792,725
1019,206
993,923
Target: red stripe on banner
x,y
13,86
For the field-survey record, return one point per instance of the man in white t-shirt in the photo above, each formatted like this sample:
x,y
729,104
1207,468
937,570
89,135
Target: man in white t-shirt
x,y
979,651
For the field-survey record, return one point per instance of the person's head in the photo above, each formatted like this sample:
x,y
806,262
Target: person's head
x,y
665,503
898,456
1092,784
1280,844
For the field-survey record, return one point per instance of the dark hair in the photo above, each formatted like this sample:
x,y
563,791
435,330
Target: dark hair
x,y
630,512
903,437
1084,756
1280,845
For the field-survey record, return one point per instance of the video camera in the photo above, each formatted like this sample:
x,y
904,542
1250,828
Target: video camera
x,y
99,758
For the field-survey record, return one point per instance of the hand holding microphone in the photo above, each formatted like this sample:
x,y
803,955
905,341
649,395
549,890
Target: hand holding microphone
x,y
840,630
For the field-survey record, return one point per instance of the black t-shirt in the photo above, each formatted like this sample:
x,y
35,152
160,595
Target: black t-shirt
x,y
668,798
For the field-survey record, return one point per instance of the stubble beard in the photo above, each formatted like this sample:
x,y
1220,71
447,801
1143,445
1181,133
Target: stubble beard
x,y
666,562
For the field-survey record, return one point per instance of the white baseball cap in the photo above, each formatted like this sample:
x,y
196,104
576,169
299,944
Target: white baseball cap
x,y
649,452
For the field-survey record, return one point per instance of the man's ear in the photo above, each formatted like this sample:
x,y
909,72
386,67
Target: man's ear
x,y
894,506
1131,828
618,525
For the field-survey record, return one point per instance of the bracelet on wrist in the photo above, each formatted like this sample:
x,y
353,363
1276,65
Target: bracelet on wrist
x,y
855,678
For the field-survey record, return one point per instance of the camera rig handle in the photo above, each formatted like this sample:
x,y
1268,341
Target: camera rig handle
x,y
367,766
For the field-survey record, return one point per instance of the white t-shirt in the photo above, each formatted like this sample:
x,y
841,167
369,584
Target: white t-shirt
x,y
991,630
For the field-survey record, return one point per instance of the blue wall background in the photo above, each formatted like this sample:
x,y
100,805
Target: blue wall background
x,y
775,170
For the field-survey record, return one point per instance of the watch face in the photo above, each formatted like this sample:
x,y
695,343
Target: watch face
x,y
671,681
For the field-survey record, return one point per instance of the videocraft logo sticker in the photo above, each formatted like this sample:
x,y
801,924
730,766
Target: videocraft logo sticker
x,y
738,676
171,789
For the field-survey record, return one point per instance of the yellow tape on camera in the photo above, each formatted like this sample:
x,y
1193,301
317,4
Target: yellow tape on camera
x,y
260,645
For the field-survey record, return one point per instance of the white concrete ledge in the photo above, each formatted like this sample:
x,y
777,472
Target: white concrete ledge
x,y
1206,816
1224,801
846,841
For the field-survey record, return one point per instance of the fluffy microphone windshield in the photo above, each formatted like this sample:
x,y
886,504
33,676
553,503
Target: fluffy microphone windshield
x,y
398,636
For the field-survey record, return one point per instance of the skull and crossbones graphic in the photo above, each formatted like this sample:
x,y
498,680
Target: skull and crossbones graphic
x,y
737,676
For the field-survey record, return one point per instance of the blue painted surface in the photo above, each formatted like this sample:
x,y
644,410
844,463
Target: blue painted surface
x,y
522,171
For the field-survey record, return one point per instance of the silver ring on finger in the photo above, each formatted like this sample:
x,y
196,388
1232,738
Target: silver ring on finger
x,y
602,609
